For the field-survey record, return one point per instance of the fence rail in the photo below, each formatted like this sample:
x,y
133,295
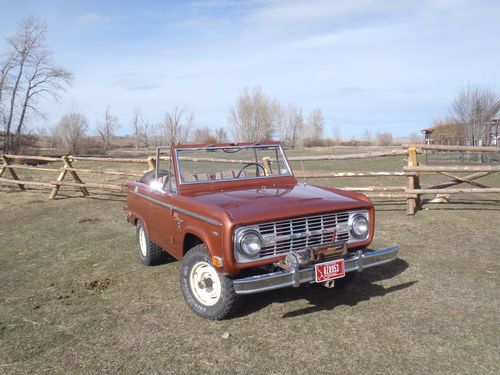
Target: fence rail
x,y
413,171
67,167
453,148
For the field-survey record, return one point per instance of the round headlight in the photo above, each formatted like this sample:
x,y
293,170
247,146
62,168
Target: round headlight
x,y
250,244
359,226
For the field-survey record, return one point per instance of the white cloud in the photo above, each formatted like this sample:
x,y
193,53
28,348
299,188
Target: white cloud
x,y
299,17
97,19
135,81
389,65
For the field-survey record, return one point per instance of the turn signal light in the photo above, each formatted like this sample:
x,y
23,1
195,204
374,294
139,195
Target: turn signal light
x,y
217,261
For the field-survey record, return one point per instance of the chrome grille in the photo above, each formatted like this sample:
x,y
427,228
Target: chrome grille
x,y
282,236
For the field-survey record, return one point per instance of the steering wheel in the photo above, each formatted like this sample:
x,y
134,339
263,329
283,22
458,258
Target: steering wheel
x,y
249,165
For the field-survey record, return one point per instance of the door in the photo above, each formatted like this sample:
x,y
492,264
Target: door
x,y
164,221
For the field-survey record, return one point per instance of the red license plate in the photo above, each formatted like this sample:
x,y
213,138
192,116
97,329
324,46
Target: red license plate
x,y
329,270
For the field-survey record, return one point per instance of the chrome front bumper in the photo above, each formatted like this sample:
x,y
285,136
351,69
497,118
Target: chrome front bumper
x,y
282,279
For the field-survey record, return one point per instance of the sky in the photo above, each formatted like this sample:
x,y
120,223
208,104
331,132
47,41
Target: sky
x,y
378,65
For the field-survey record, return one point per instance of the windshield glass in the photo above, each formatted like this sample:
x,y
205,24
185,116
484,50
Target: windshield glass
x,y
217,163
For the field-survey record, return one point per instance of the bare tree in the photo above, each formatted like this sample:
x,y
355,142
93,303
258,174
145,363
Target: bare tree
x,y
27,74
296,126
447,131
146,132
142,129
473,109
29,40
204,135
315,127
253,117
6,65
337,137
107,128
71,129
176,126
367,137
221,135
43,78
384,139
415,138
290,125
138,128
280,125
156,134
53,136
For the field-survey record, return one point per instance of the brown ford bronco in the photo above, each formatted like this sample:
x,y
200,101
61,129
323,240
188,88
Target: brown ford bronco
x,y
239,221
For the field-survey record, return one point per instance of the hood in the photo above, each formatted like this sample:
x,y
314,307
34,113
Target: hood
x,y
252,205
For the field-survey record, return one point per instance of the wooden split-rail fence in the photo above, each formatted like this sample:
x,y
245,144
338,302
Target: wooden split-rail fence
x,y
412,191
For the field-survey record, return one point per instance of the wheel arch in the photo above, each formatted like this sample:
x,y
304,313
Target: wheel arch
x,y
134,218
195,237
190,241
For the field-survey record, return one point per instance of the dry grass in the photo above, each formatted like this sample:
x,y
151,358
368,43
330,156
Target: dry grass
x,y
74,299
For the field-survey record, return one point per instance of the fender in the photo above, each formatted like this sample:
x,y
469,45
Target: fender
x,y
133,217
212,240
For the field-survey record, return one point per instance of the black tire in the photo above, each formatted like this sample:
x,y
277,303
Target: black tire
x,y
202,299
149,253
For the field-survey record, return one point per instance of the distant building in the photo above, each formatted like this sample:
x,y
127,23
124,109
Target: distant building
x,y
444,133
452,134
428,135
495,132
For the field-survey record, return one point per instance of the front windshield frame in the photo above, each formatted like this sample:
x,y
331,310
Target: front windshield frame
x,y
236,148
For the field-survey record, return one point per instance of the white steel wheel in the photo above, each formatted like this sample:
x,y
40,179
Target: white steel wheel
x,y
205,283
149,253
208,293
143,247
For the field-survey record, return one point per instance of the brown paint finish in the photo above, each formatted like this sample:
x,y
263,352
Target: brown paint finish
x,y
211,211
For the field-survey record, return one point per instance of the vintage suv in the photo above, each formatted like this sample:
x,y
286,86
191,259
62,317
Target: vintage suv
x,y
241,223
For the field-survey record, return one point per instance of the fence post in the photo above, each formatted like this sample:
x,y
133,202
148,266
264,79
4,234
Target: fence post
x,y
60,178
13,173
413,183
78,180
151,163
4,168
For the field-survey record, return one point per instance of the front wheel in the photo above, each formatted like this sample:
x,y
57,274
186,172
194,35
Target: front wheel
x,y
208,293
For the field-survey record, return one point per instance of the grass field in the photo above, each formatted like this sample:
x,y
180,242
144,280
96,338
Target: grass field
x,y
75,299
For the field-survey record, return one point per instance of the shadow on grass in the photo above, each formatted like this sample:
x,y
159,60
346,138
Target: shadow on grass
x,y
362,288
454,205
61,195
15,189
95,196
390,205
480,205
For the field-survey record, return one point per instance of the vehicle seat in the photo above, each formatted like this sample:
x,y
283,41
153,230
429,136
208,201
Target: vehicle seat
x,y
187,177
224,175
202,176
162,180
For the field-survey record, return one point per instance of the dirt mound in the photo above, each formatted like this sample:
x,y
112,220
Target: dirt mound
x,y
98,286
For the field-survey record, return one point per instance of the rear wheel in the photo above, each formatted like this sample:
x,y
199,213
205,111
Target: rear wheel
x,y
208,293
149,253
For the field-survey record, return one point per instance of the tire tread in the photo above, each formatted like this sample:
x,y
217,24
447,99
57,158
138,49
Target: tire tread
x,y
229,301
154,253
